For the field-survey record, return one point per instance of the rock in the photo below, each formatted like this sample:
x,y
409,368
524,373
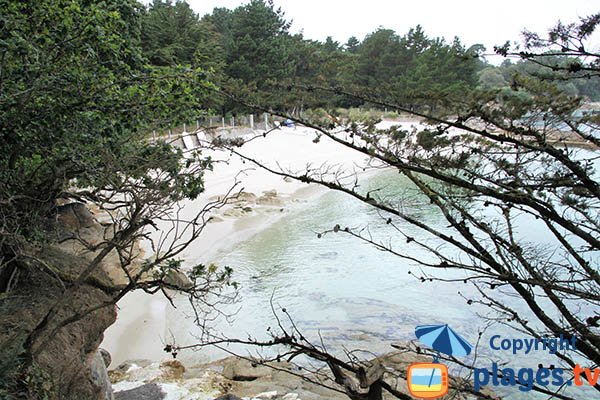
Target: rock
x,y
238,369
149,391
270,193
234,212
74,216
228,397
172,370
178,279
267,395
106,357
147,372
269,198
291,396
99,377
215,219
246,197
136,370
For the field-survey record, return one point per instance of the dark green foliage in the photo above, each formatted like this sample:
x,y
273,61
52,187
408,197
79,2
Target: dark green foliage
x,y
170,33
77,96
265,62
352,44
413,69
77,99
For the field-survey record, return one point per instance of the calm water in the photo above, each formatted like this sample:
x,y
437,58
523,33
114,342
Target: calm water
x,y
348,292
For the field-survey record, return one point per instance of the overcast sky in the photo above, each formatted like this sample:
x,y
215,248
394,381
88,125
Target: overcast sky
x,y
484,21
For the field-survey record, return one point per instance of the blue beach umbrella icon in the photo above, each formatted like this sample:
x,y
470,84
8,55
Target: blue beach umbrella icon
x,y
443,339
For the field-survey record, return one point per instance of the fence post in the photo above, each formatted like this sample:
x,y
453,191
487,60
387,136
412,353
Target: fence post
x,y
184,128
154,135
233,122
251,121
266,121
223,121
170,134
197,125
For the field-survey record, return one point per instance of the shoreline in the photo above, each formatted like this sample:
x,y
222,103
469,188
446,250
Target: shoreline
x,y
142,326
141,315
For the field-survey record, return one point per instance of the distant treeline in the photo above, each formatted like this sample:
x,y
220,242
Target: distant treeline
x,y
250,51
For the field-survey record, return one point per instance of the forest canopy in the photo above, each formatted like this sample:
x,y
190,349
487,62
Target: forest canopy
x,y
251,48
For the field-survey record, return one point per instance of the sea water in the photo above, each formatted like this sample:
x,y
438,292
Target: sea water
x,y
343,293
336,288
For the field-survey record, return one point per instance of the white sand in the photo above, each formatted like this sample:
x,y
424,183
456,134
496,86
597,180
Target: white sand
x,y
140,330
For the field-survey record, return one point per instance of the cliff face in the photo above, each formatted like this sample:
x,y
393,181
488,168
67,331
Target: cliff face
x,y
62,323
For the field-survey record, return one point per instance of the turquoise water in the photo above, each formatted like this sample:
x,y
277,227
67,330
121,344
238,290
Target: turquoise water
x,y
338,285
349,295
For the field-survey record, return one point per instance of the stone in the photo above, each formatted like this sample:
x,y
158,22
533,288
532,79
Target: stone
x,y
99,377
238,369
269,198
215,219
270,193
178,279
149,391
228,397
74,216
172,370
246,197
291,396
267,395
106,357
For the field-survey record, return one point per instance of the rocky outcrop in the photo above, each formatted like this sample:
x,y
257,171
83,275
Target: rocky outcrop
x,y
99,376
236,378
230,378
149,391
269,198
64,325
58,325
78,230
247,203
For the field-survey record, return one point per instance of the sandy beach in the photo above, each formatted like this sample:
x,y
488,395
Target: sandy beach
x,y
141,328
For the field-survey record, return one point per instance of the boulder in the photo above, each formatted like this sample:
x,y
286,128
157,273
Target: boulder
x,y
239,369
74,216
172,370
105,356
247,197
99,377
267,395
71,365
269,198
149,391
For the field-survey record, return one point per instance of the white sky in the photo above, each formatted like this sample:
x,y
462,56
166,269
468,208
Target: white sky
x,y
490,22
